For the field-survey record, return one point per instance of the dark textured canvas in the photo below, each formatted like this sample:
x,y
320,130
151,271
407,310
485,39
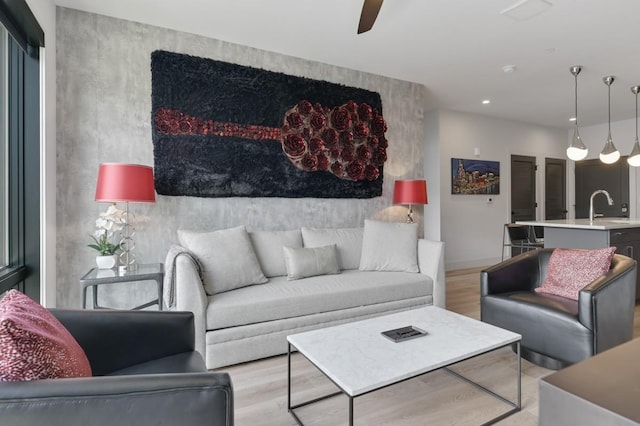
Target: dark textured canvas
x,y
217,128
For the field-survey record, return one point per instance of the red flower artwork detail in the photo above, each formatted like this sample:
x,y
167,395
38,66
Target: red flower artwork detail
x,y
347,141
294,146
350,136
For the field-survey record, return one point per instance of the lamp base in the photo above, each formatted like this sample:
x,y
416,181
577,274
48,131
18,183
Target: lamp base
x,y
126,269
410,215
127,257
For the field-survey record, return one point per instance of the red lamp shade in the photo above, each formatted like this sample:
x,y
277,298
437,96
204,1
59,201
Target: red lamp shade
x,y
410,192
125,182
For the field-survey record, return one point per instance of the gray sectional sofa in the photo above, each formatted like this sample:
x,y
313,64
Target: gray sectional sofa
x,y
252,320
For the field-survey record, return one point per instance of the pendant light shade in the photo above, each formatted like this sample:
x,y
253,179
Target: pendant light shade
x,y
634,157
576,150
610,153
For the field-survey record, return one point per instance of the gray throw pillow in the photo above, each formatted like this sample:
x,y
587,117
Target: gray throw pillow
x,y
309,262
348,243
226,256
389,246
268,247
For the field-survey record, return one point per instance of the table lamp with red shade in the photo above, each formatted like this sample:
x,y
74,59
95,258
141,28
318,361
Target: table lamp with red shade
x,y
125,183
410,192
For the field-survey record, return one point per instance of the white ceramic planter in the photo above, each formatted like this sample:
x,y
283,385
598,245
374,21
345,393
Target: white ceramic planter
x,y
106,262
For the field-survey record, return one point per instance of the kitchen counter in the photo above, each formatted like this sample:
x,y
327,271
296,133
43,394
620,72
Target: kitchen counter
x,y
621,233
601,223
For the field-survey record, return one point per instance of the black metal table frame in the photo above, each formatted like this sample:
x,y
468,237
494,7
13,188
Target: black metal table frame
x,y
158,277
515,406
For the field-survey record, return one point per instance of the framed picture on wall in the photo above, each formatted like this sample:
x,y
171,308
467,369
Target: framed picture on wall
x,y
475,176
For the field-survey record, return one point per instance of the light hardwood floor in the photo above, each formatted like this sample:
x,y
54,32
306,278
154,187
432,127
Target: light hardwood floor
x,y
438,398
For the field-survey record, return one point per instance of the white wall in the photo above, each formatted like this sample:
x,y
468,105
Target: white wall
x,y
471,226
432,167
623,134
45,13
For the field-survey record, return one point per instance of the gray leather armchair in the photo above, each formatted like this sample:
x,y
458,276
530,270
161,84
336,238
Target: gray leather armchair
x,y
556,331
146,372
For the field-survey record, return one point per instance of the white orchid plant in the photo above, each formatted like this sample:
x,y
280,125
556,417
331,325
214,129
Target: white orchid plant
x,y
107,224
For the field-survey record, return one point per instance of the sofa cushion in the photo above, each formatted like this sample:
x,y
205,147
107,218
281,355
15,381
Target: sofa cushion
x,y
389,246
348,242
280,298
268,247
226,256
310,261
570,270
34,344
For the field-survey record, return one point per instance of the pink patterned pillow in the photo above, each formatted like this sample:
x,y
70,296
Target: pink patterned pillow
x,y
34,344
570,270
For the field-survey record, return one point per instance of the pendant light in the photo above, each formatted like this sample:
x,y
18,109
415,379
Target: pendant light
x,y
576,150
634,157
610,153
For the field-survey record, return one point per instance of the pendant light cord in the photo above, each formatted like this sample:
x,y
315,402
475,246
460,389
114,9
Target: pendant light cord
x,y
636,116
609,85
576,98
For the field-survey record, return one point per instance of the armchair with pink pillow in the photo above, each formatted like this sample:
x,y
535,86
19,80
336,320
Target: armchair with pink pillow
x,y
568,304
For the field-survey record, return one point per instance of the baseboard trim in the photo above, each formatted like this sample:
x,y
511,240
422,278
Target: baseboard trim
x,y
470,264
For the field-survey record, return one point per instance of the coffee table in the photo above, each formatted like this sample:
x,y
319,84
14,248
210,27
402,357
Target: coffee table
x,y
358,359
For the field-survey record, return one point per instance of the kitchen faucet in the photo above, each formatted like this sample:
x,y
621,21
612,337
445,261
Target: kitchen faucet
x,y
593,215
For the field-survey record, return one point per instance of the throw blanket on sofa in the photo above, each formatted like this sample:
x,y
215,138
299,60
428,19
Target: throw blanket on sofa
x,y
169,288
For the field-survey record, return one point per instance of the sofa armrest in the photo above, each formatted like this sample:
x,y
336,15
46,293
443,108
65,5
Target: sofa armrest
x,y
606,306
114,340
431,263
520,273
190,296
190,399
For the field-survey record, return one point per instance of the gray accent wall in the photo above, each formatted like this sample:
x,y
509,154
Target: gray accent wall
x,y
104,115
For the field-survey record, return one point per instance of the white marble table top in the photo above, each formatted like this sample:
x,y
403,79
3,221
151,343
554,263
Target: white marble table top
x,y
359,359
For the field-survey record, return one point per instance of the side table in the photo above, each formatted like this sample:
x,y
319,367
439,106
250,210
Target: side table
x,y
97,277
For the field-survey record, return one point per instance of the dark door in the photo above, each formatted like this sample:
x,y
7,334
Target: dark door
x,y
592,175
523,188
555,201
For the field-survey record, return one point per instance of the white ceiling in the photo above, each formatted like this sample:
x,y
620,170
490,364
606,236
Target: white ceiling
x,y
456,48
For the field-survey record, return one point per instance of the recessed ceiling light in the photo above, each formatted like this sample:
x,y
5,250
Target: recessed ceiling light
x,y
572,119
486,101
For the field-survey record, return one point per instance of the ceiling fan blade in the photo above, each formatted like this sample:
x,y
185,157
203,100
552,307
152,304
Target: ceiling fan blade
x,y
369,14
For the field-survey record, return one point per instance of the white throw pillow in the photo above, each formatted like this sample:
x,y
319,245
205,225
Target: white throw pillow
x,y
348,243
389,246
309,262
268,247
226,256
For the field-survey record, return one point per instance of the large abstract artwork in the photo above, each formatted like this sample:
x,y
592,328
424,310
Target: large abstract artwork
x,y
225,130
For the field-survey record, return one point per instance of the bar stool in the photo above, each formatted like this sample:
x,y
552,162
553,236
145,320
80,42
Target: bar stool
x,y
521,237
